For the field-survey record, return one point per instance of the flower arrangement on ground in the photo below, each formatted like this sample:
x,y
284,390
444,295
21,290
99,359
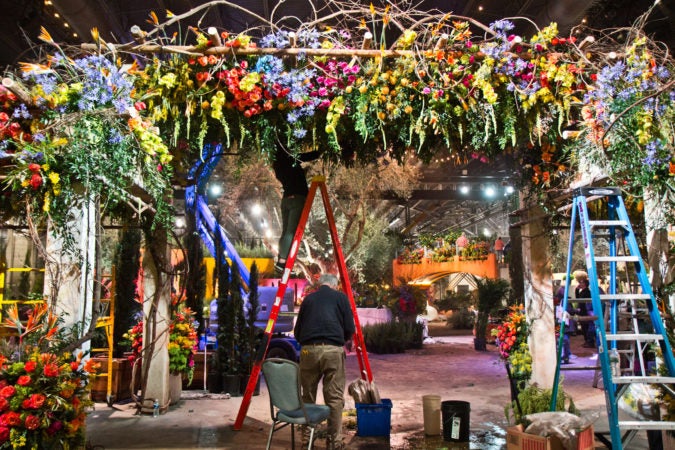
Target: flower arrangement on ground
x,y
407,301
182,339
44,390
526,398
512,336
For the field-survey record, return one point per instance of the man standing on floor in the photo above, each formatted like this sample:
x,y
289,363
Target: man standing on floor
x,y
325,323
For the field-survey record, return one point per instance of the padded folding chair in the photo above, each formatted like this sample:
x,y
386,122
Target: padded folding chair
x,y
282,377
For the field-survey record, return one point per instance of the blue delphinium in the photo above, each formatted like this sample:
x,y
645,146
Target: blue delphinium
x,y
653,158
102,83
21,112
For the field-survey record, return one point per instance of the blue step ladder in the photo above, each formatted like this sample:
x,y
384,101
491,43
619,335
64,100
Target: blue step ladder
x,y
627,324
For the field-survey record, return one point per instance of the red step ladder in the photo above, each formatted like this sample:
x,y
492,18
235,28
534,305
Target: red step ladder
x,y
359,344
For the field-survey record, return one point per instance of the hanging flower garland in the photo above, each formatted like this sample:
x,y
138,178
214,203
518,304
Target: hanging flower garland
x,y
477,98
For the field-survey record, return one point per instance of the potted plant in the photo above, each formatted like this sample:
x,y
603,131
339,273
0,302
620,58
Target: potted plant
x,y
491,294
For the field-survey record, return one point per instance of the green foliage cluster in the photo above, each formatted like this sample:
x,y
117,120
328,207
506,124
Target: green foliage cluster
x,y
252,251
533,399
491,295
393,337
237,336
462,319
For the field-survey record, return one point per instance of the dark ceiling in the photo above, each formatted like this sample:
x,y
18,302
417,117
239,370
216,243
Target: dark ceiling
x,y
439,203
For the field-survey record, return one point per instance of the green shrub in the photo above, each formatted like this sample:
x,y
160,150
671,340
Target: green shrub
x,y
533,399
393,337
462,319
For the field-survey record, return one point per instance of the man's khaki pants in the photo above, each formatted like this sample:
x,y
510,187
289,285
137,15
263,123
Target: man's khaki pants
x,y
327,363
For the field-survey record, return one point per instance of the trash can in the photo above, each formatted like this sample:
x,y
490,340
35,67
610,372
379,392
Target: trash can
x,y
431,406
455,420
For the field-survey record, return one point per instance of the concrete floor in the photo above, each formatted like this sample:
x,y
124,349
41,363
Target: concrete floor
x,y
449,367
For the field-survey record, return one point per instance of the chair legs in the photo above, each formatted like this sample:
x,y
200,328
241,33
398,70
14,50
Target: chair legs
x,y
269,438
304,429
311,438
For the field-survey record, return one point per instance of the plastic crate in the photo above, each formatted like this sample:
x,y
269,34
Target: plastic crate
x,y
517,439
373,419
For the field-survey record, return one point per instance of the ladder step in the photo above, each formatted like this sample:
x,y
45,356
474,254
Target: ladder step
x,y
608,223
646,425
571,367
625,297
636,379
634,337
597,191
622,258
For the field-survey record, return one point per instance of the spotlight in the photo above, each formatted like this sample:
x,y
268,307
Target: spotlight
x,y
489,191
215,190
464,189
256,209
510,190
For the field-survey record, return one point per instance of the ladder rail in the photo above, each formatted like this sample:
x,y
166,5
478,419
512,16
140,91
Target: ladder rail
x,y
364,364
580,203
563,303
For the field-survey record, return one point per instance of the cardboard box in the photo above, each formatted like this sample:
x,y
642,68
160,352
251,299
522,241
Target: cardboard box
x,y
517,439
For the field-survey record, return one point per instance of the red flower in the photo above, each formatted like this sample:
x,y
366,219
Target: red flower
x,y
4,404
140,106
32,422
29,366
10,419
51,370
74,365
37,400
24,380
4,434
7,391
35,181
34,167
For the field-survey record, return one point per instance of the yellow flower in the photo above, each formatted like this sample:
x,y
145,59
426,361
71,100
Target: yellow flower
x,y
54,177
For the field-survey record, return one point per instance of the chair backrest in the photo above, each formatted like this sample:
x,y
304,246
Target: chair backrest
x,y
282,377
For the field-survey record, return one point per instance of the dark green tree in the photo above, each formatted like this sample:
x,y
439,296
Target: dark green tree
x,y
195,285
127,265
